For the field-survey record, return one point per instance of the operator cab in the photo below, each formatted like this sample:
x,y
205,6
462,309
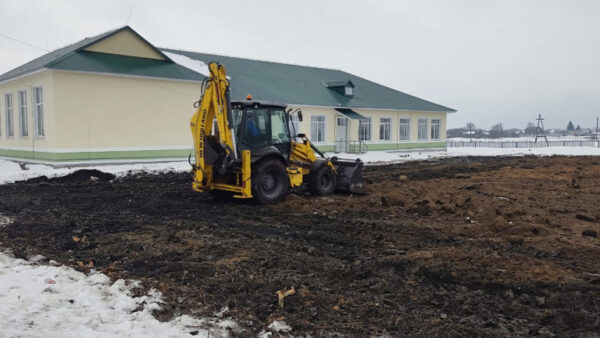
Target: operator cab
x,y
261,127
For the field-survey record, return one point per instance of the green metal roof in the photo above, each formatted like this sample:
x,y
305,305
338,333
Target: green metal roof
x,y
351,114
119,64
73,57
304,85
268,81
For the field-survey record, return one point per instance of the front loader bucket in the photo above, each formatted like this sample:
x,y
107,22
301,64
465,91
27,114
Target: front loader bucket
x,y
349,176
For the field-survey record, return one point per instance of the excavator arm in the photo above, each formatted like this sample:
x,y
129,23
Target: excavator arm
x,y
214,104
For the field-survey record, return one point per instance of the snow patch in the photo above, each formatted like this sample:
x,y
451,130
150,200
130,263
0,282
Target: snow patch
x,y
60,301
378,157
195,65
396,156
279,326
546,151
11,172
8,167
5,220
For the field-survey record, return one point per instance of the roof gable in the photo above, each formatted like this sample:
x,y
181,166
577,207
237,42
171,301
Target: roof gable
x,y
126,42
59,55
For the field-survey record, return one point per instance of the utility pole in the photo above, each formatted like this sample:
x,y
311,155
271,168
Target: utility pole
x,y
540,132
597,132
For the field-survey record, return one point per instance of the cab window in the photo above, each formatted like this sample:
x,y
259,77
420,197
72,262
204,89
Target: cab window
x,y
279,129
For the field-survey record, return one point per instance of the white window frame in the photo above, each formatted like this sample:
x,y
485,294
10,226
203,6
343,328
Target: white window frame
x,y
349,90
294,125
315,122
362,137
439,129
8,112
23,123
36,112
400,125
422,134
389,129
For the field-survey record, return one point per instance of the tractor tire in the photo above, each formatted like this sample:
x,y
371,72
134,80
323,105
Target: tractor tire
x,y
270,182
322,181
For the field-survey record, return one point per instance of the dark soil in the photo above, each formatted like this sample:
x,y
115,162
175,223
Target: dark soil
x,y
465,246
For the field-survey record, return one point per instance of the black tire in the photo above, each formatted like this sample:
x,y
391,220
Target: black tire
x,y
270,181
322,181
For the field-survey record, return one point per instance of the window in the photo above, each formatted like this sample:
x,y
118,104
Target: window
x,y
279,129
385,129
435,129
422,130
317,128
295,125
23,127
8,110
364,129
349,91
38,111
404,130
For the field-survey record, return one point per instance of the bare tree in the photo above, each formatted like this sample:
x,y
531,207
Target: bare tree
x,y
531,129
497,131
470,128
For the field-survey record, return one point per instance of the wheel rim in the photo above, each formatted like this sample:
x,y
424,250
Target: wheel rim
x,y
268,183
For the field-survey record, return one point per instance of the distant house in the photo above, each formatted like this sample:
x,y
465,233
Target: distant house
x,y
115,96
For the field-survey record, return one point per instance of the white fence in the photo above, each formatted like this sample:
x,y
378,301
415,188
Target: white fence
x,y
522,144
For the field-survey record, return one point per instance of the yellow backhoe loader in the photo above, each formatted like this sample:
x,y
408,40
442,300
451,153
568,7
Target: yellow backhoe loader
x,y
249,149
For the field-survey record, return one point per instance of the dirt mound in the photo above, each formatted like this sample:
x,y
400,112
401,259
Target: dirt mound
x,y
467,246
83,175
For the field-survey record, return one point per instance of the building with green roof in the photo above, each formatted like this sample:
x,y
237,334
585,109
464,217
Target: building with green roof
x,y
115,96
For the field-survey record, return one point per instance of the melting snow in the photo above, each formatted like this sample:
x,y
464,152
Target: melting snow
x,y
5,220
57,301
405,156
195,65
279,326
11,172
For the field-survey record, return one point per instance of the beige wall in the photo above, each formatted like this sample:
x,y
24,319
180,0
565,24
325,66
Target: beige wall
x,y
375,115
125,43
13,86
86,112
104,111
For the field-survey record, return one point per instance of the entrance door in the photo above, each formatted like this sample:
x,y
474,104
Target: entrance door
x,y
341,134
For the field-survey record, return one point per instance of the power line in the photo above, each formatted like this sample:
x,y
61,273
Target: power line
x,y
129,16
23,42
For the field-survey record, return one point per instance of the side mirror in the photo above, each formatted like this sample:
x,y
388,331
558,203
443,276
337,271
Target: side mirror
x,y
300,115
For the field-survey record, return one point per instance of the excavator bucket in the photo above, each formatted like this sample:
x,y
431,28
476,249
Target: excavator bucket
x,y
349,176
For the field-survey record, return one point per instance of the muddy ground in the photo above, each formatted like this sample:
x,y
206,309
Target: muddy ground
x,y
469,246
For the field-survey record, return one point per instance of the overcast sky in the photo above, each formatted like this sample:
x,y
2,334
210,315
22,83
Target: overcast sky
x,y
493,61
